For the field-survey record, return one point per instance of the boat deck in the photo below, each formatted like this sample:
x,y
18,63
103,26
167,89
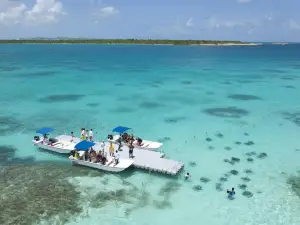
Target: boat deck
x,y
143,159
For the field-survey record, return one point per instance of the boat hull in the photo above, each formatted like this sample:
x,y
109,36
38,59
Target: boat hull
x,y
121,166
39,144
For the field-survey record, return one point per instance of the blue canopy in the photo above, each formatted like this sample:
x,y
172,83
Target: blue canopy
x,y
121,129
84,145
45,130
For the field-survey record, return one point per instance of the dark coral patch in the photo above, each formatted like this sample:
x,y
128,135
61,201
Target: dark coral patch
x,y
164,139
7,152
249,143
186,82
290,86
250,159
210,93
262,155
238,143
228,112
235,159
204,179
9,125
227,148
243,97
61,98
242,186
192,164
123,109
234,172
219,135
246,179
294,182
248,171
169,188
223,179
92,104
174,119
208,139
219,187
197,188
288,77
38,74
250,153
247,194
229,161
292,117
162,204
211,147
150,105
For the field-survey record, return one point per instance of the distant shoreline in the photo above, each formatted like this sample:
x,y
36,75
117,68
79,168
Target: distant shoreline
x,y
130,42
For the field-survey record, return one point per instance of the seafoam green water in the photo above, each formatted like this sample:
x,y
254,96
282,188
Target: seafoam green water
x,y
207,104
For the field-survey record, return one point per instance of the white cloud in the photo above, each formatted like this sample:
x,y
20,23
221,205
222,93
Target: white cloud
x,y
13,15
250,31
43,11
244,1
107,11
269,17
293,25
189,22
214,22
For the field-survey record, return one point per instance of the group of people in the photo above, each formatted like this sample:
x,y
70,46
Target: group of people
x,y
97,157
86,134
129,139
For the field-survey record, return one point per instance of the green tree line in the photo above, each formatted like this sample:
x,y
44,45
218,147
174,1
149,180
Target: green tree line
x,y
117,41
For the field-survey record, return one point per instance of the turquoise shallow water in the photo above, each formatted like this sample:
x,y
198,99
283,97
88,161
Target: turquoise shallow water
x,y
185,96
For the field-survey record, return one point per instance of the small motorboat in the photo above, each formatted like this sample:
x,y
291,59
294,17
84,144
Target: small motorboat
x,y
137,142
78,158
52,144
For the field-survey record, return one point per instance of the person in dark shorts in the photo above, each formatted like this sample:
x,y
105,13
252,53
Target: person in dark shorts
x,y
131,150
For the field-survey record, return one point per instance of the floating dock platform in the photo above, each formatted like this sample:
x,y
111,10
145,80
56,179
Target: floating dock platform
x,y
152,161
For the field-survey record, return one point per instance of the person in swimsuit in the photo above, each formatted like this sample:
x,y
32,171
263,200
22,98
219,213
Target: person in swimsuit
x,y
187,176
231,193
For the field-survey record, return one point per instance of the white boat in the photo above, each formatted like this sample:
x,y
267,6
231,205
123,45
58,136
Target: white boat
x,y
110,166
137,143
52,144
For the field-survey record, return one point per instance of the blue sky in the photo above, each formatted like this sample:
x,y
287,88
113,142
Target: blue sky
x,y
246,20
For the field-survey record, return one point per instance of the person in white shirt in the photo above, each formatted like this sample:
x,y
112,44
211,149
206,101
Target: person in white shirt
x,y
91,134
102,146
82,134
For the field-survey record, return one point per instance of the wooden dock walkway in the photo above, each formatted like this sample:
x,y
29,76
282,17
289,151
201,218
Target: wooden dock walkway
x,y
143,159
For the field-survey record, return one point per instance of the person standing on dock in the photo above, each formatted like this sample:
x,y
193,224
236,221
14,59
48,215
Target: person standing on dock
x,y
82,134
117,157
72,136
131,149
102,145
91,135
87,135
111,149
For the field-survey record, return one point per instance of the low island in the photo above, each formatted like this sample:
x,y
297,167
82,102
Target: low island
x,y
128,41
